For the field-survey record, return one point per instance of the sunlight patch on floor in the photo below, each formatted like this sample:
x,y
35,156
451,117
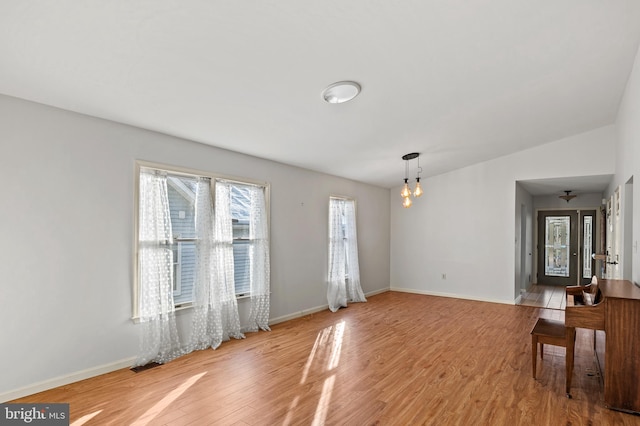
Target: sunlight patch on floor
x,y
332,335
82,420
312,354
338,335
287,421
325,400
153,412
328,342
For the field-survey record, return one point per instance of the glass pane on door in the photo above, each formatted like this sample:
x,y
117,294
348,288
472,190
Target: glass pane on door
x,y
557,237
587,245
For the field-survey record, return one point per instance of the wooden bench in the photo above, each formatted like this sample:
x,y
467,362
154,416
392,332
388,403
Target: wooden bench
x,y
552,332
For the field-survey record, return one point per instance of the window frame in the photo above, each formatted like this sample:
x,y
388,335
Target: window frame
x,y
189,172
177,270
237,242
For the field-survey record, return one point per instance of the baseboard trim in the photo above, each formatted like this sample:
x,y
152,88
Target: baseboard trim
x,y
65,380
298,314
451,295
127,363
373,293
315,309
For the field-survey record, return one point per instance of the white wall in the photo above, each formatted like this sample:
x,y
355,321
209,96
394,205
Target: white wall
x,y
628,164
67,223
464,224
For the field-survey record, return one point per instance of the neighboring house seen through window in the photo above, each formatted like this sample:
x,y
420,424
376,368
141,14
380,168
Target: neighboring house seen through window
x,y
181,193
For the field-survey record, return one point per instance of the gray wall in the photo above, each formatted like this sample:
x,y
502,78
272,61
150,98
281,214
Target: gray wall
x,y
67,227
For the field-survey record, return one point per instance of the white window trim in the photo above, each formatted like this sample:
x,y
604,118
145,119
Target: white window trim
x,y
140,164
177,279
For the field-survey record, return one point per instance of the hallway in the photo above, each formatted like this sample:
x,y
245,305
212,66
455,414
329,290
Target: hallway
x,y
545,296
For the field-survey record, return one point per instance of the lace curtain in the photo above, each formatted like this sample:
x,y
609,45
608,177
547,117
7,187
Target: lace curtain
x,y
259,261
354,290
344,270
215,317
203,318
215,310
159,342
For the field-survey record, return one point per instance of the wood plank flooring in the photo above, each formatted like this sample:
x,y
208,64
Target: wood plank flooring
x,y
545,296
399,359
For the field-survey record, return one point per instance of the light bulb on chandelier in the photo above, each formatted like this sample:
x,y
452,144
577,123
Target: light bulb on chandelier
x,y
418,191
406,191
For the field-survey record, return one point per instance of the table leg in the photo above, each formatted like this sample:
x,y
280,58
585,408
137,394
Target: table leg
x,y
571,340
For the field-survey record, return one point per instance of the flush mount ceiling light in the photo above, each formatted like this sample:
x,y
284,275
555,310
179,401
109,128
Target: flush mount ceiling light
x,y
568,197
340,92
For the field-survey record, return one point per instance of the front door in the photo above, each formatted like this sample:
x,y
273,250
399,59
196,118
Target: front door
x,y
566,241
558,247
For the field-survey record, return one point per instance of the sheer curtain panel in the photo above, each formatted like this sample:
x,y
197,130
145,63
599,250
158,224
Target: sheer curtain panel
x,y
354,290
204,320
337,288
159,340
344,272
259,260
226,321
215,317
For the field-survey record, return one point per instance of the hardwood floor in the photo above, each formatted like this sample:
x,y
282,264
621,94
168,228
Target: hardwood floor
x,y
545,296
399,359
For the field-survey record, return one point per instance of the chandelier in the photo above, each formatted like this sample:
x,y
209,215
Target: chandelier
x,y
568,197
406,191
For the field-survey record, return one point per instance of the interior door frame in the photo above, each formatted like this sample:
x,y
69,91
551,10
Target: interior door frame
x,y
597,241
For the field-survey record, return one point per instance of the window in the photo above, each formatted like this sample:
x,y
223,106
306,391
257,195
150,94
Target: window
x,y
181,190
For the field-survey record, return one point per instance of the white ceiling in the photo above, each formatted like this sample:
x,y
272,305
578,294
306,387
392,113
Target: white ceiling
x,y
577,185
458,81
